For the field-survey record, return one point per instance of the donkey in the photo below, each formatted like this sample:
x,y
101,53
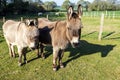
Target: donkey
x,y
61,33
23,35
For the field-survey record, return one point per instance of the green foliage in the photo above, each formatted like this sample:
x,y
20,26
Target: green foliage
x,y
100,5
49,5
85,4
66,4
35,8
20,7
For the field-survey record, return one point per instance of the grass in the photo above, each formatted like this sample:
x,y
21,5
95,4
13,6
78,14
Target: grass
x,y
92,60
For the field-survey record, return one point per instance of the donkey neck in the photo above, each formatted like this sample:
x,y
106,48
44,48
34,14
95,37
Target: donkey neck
x,y
60,29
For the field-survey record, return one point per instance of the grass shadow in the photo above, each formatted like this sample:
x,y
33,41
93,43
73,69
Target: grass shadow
x,y
27,50
87,48
108,35
48,51
1,41
114,38
32,59
88,34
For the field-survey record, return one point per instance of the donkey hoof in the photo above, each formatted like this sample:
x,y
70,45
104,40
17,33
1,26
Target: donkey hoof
x,y
19,64
11,56
61,66
54,69
25,62
14,56
38,56
43,57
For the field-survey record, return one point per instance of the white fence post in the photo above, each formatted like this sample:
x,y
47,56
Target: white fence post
x,y
21,19
3,19
101,27
113,15
47,16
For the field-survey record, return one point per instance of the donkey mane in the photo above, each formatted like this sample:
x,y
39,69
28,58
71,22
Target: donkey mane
x,y
56,24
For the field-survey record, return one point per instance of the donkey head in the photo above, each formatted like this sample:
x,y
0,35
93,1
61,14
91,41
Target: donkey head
x,y
74,25
32,32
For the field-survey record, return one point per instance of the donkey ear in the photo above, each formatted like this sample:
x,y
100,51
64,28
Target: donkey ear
x,y
70,11
27,21
79,10
36,21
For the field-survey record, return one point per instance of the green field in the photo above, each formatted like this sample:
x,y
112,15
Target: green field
x,y
92,60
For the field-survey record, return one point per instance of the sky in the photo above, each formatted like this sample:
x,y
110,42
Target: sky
x,y
59,2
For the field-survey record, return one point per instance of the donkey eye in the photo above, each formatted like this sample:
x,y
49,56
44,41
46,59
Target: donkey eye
x,y
36,37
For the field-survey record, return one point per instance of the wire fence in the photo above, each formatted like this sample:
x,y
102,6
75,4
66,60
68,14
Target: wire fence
x,y
108,14
92,14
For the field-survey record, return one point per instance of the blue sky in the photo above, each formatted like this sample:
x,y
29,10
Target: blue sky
x,y
59,2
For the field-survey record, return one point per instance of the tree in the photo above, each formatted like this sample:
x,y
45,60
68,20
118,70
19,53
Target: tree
x,y
112,1
49,5
3,5
98,5
17,7
0,5
85,4
16,1
80,2
35,7
66,4
53,4
20,6
103,5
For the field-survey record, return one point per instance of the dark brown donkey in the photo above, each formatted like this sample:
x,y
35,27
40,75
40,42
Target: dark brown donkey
x,y
60,33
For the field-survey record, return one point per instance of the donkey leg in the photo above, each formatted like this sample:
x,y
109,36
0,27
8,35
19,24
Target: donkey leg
x,y
37,51
55,56
42,48
10,50
61,53
24,54
13,51
20,50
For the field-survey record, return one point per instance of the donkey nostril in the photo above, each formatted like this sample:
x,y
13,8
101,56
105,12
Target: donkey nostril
x,y
75,44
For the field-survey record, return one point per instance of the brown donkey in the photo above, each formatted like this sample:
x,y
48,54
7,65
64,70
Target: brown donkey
x,y
60,33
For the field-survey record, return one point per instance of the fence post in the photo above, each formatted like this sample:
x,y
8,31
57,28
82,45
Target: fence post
x,y
91,14
113,15
101,27
109,15
94,14
106,13
21,19
3,19
47,16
